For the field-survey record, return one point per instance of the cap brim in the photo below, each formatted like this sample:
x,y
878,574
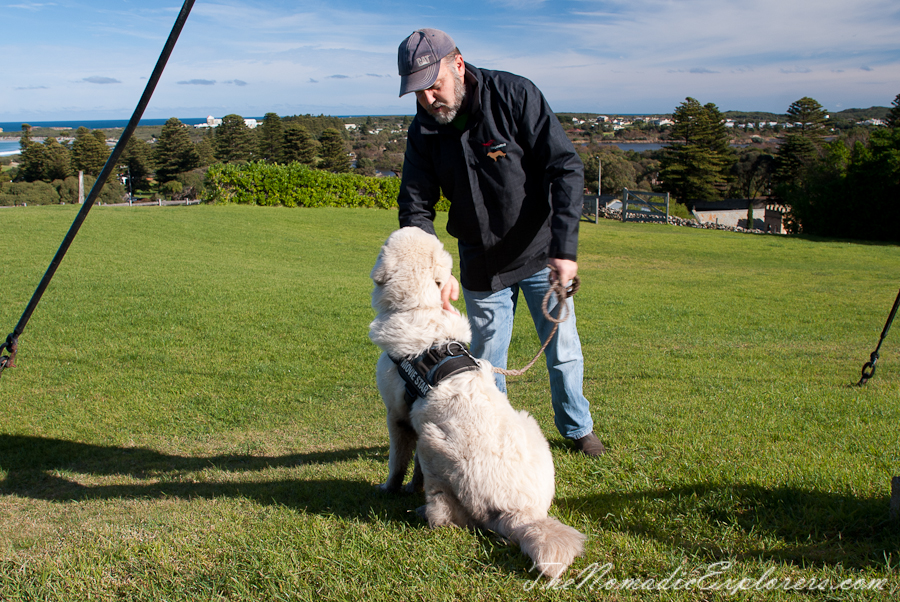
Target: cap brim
x,y
420,80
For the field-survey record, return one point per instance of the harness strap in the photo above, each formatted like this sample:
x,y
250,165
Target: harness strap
x,y
423,372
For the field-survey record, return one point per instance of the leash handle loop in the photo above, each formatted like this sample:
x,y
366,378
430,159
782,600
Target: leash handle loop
x,y
562,293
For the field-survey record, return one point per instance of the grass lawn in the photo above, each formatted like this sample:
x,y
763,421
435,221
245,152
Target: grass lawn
x,y
194,417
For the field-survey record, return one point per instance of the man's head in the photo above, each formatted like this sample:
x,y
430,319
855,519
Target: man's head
x,y
431,66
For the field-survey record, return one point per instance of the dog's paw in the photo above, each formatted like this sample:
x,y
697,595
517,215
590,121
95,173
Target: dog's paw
x,y
413,487
387,488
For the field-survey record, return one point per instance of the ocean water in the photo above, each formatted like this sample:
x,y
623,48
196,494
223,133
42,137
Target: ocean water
x,y
16,126
9,148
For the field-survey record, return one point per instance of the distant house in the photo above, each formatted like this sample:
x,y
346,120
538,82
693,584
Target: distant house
x,y
212,122
733,213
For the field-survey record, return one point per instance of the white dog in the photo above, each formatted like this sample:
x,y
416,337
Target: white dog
x,y
483,463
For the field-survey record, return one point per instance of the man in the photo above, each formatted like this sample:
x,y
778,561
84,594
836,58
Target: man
x,y
490,142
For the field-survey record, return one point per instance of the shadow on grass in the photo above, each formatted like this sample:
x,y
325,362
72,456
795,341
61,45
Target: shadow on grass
x,y
740,521
33,466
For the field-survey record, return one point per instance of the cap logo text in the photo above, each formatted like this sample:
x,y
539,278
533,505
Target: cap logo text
x,y
423,60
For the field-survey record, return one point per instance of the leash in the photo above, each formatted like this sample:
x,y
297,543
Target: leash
x,y
562,293
868,370
12,341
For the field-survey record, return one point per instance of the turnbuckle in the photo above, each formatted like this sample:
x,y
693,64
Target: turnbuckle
x,y
9,361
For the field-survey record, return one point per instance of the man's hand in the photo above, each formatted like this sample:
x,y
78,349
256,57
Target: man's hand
x,y
566,269
449,291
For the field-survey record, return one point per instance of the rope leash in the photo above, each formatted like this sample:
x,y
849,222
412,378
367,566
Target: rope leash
x,y
868,370
562,293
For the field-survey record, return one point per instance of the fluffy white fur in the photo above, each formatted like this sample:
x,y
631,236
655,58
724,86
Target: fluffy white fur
x,y
483,463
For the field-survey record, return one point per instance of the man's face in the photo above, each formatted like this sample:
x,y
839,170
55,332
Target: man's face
x,y
444,99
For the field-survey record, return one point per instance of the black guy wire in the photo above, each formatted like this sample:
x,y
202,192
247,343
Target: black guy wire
x,y
12,340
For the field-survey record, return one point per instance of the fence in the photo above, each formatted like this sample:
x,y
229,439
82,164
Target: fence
x,y
590,208
637,206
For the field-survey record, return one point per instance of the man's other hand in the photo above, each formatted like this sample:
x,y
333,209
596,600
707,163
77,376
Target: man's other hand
x,y
566,270
450,291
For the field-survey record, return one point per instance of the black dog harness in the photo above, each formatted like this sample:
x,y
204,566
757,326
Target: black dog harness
x,y
425,371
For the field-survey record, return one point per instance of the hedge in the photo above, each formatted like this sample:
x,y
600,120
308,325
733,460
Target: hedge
x,y
298,185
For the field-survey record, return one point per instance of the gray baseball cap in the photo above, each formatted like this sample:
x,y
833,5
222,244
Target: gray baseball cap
x,y
419,58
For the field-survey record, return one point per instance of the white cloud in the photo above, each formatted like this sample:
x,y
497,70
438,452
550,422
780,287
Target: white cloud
x,y
95,79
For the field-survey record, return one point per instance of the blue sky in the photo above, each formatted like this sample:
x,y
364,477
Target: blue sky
x,y
90,59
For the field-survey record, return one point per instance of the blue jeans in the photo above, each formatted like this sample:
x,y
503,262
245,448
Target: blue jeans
x,y
491,317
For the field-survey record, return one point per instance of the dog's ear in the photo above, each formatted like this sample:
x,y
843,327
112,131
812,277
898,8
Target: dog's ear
x,y
380,272
442,265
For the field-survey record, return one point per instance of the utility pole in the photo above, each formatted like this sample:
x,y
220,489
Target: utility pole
x,y
599,174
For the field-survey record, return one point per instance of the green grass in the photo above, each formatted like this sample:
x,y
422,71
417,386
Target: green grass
x,y
194,416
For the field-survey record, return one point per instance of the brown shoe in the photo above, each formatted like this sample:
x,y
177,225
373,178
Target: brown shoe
x,y
590,445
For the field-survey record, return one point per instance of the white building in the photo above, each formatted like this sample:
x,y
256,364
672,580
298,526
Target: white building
x,y
212,122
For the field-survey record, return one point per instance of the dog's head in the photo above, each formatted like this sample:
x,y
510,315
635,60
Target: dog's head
x,y
410,271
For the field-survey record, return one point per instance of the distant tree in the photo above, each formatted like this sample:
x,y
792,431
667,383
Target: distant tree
x,y
365,167
617,171
696,166
235,141
271,137
752,173
808,115
206,148
801,148
32,157
315,125
88,153
100,135
174,151
893,116
137,161
334,152
298,146
57,160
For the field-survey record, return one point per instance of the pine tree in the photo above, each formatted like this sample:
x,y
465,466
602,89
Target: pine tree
x,y
234,140
137,160
802,146
334,153
893,116
271,138
57,160
174,153
696,167
298,146
32,157
88,153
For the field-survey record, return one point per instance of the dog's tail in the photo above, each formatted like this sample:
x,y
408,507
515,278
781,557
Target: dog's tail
x,y
550,544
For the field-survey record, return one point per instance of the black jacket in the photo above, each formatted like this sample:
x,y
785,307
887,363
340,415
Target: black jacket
x,y
514,181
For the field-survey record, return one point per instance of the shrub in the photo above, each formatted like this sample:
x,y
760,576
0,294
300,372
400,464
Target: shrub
x,y
113,191
28,193
298,185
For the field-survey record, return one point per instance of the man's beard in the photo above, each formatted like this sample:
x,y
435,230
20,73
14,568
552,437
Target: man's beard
x,y
459,94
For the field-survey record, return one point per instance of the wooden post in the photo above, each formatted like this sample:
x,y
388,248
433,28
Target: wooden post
x,y
81,188
895,498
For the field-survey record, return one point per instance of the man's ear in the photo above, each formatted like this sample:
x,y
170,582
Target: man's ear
x,y
460,65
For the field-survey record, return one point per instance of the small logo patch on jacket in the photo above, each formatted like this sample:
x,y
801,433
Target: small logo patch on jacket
x,y
494,151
